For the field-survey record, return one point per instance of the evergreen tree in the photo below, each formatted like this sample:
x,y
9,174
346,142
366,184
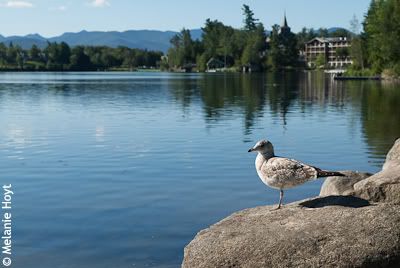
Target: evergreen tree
x,y
382,35
250,23
34,53
79,60
274,53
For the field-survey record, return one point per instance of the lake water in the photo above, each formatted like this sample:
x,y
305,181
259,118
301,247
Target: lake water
x,y
123,169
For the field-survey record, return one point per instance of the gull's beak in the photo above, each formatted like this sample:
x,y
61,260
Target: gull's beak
x,y
250,150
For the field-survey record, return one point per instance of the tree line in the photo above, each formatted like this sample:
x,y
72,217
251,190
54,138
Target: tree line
x,y
379,44
234,48
61,57
230,47
374,50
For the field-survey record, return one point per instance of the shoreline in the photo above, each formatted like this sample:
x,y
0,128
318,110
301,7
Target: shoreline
x,y
381,78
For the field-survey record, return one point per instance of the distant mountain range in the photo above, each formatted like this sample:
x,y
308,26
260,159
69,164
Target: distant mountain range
x,y
144,39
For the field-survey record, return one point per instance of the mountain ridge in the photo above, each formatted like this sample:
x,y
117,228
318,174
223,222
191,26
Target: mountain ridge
x,y
142,39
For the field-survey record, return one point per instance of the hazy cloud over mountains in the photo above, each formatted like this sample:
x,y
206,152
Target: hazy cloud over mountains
x,y
17,4
30,4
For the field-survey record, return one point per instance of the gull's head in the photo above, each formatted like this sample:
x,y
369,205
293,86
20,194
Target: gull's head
x,y
263,147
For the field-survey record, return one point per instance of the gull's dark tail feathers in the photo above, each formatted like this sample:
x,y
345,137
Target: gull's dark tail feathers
x,y
325,173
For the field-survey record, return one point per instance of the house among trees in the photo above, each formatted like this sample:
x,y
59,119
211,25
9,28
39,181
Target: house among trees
x,y
332,52
214,65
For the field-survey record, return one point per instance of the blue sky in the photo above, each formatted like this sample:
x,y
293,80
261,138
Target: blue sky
x,y
53,17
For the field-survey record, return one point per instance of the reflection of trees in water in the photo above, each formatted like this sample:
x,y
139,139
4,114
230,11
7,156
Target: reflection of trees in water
x,y
184,91
282,91
221,94
380,115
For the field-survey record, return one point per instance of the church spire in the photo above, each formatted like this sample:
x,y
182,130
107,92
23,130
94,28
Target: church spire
x,y
285,24
285,29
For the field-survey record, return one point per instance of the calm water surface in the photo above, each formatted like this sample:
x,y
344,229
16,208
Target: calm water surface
x,y
123,169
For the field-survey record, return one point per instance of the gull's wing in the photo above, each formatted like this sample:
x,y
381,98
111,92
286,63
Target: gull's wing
x,y
288,172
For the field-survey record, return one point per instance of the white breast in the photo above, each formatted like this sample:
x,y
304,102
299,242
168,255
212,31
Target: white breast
x,y
260,160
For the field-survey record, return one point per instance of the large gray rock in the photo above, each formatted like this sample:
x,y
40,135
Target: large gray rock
x,y
317,233
384,186
342,185
393,157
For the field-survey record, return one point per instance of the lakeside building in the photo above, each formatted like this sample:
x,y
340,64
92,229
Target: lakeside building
x,y
335,51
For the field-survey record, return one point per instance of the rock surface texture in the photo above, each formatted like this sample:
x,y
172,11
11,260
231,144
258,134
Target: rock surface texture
x,y
354,223
297,236
342,185
393,157
383,186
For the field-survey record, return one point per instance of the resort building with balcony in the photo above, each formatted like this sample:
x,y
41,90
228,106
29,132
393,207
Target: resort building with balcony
x,y
334,50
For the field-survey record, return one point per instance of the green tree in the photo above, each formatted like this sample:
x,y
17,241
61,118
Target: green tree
x,y
253,53
226,44
182,51
57,55
108,58
342,52
3,55
304,36
340,33
274,53
11,54
79,60
356,50
20,60
288,45
64,54
250,23
212,32
382,35
320,61
283,50
34,53
323,32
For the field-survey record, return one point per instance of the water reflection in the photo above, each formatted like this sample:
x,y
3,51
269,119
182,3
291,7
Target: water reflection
x,y
223,94
380,114
373,104
157,157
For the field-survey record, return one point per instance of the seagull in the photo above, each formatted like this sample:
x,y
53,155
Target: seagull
x,y
283,173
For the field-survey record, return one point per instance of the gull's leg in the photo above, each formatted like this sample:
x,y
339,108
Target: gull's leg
x,y
280,199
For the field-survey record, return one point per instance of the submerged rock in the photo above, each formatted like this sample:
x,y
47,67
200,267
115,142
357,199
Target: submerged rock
x,y
313,233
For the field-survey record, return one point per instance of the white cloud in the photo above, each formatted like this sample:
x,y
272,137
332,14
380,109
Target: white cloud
x,y
59,8
99,3
18,4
